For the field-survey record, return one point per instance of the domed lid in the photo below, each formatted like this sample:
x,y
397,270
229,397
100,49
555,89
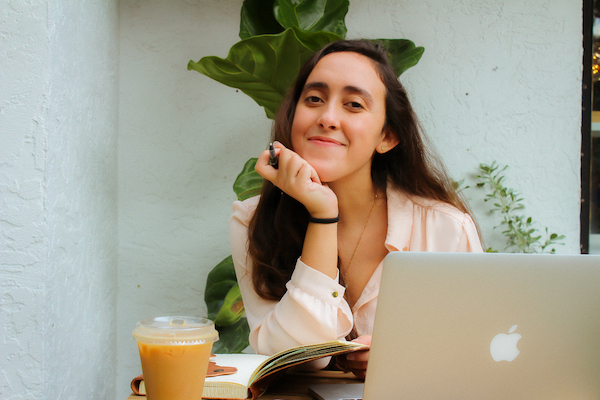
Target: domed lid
x,y
176,330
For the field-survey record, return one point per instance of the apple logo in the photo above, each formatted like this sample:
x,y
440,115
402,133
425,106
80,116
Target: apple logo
x,y
504,346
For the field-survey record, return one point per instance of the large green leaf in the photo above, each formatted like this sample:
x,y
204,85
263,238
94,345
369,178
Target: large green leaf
x,y
232,339
264,66
257,18
225,308
218,284
232,309
248,183
403,53
313,15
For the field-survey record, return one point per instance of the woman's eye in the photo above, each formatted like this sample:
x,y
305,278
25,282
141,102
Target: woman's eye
x,y
354,104
312,99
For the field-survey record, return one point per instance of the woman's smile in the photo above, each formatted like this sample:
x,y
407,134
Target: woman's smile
x,y
324,141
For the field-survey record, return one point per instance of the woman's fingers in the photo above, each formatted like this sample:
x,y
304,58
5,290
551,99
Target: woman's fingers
x,y
285,177
357,361
364,339
297,178
288,164
263,166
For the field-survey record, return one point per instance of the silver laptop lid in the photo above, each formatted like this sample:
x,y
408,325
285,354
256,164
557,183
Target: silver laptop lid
x,y
439,316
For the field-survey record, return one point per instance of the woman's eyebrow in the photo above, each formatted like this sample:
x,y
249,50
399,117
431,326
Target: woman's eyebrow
x,y
349,89
314,85
359,91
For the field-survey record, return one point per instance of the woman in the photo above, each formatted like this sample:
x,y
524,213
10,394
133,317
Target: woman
x,y
349,147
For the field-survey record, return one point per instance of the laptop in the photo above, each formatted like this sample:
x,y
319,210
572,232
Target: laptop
x,y
485,326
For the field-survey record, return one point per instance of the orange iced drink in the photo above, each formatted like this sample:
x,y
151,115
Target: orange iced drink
x,y
174,352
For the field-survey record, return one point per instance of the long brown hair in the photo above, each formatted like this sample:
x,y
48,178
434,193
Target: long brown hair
x,y
278,226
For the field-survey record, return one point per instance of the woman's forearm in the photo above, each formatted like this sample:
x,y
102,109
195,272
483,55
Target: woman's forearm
x,y
320,248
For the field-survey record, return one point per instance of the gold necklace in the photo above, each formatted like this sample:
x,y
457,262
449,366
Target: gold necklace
x,y
357,244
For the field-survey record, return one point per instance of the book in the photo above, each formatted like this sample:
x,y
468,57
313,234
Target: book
x,y
256,371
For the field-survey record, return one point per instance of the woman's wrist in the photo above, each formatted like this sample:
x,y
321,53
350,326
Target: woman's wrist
x,y
315,220
330,213
325,209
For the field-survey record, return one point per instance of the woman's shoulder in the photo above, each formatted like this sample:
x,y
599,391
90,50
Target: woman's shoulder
x,y
423,205
243,210
439,207
440,225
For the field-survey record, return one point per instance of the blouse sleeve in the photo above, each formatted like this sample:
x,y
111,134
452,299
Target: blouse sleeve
x,y
312,310
469,240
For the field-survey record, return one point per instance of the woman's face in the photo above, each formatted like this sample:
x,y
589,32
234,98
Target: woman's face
x,y
339,119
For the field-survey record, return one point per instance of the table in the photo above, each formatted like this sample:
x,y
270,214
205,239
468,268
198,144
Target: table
x,y
294,386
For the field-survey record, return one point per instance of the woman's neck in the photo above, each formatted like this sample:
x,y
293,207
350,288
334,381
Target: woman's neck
x,y
354,197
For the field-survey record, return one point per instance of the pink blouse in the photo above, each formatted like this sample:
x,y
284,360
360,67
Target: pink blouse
x,y
314,309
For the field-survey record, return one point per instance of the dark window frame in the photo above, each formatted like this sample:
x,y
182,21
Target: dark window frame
x,y
586,124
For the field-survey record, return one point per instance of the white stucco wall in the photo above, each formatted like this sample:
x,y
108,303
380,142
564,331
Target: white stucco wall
x,y
183,140
25,47
498,81
58,196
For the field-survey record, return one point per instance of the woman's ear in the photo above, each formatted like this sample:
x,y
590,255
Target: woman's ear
x,y
388,142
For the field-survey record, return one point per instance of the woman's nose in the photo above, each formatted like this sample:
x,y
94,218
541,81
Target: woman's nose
x,y
329,119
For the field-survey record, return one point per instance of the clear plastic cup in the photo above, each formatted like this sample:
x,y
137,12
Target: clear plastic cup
x,y
175,352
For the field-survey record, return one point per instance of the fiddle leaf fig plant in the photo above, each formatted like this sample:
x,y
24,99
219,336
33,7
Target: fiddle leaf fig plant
x,y
222,293
249,182
226,310
313,15
403,53
257,18
264,67
276,44
277,38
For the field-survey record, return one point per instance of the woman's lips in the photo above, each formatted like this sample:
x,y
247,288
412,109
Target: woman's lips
x,y
324,141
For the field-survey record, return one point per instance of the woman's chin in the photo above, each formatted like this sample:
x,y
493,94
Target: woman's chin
x,y
327,175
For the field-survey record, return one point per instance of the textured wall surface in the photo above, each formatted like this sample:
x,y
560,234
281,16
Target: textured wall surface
x,y
183,140
58,190
499,81
25,46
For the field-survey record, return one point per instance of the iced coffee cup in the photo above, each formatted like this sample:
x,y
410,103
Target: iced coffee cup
x,y
174,352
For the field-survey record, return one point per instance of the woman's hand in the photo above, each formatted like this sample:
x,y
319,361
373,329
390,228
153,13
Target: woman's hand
x,y
356,362
298,179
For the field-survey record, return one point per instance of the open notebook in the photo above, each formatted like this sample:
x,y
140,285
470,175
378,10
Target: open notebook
x,y
492,326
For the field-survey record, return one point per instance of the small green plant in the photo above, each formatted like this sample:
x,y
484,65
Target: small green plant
x,y
519,230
